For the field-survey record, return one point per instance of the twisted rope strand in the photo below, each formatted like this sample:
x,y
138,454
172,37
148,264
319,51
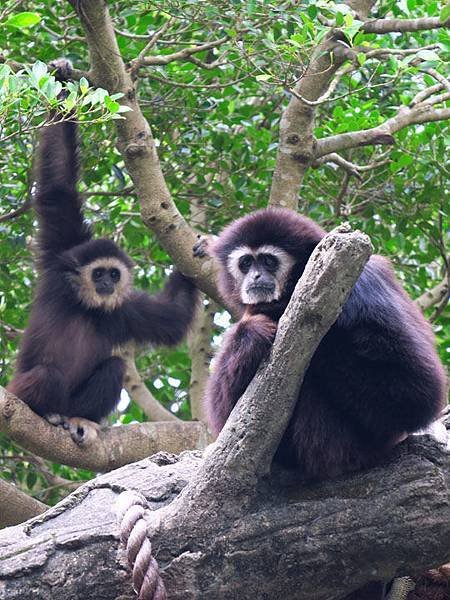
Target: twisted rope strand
x,y
130,511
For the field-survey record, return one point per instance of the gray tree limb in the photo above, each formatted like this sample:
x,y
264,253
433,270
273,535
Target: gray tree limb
x,y
113,447
16,506
403,25
433,296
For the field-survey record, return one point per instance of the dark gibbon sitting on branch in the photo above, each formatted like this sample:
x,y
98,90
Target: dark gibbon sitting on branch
x,y
85,304
374,378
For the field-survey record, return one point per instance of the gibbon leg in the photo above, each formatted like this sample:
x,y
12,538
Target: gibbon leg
x,y
41,387
95,399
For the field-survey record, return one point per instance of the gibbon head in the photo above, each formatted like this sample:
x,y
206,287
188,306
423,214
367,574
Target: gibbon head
x,y
263,255
100,274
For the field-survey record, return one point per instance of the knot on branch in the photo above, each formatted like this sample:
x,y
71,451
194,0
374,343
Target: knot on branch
x,y
135,149
130,511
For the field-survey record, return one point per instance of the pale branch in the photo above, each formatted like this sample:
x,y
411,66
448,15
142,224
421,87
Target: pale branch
x,y
200,351
350,167
382,134
377,52
331,88
382,26
426,93
16,506
113,446
296,145
151,44
140,393
433,296
438,76
437,99
181,55
137,145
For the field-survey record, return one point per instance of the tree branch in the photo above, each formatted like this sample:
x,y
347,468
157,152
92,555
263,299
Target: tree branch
x,y
136,143
382,134
139,392
433,296
113,447
403,25
17,506
296,146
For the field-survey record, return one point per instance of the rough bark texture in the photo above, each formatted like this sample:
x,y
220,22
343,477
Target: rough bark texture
x,y
200,351
113,447
296,149
302,543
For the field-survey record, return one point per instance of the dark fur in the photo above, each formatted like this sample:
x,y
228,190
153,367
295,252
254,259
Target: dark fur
x,y
65,364
374,376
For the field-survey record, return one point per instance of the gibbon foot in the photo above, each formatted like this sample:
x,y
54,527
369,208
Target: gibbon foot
x,y
55,419
82,431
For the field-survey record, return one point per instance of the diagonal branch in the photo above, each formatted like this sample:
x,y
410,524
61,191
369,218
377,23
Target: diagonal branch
x,y
180,55
296,146
434,296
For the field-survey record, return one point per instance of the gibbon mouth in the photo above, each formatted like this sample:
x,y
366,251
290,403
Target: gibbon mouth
x,y
261,289
104,291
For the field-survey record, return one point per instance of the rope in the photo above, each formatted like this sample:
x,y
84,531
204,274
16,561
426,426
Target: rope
x,y
401,586
130,511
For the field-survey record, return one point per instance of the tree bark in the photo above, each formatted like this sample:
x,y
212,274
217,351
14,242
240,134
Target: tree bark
x,y
16,506
113,446
302,543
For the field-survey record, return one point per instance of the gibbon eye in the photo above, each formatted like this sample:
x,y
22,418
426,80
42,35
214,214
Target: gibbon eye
x,y
269,261
114,274
245,263
98,273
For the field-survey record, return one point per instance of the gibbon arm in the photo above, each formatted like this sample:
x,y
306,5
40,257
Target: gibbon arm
x,y
56,200
165,317
246,344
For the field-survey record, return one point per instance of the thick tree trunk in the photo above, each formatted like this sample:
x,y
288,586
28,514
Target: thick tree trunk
x,y
316,542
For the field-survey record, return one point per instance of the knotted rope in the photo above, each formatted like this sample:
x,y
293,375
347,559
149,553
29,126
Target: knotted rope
x,y
130,511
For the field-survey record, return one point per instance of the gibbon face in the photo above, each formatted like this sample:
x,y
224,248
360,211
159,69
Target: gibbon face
x,y
103,283
260,273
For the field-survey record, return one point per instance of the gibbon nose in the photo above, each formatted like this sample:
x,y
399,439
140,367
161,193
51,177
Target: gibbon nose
x,y
104,287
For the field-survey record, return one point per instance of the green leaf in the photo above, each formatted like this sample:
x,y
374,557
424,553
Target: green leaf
x,y
111,105
361,58
84,85
428,55
444,15
24,20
